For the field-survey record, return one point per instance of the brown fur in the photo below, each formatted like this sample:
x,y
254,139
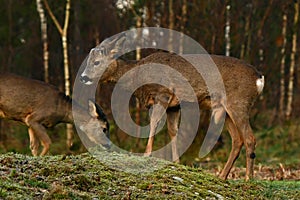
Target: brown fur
x,y
39,105
241,91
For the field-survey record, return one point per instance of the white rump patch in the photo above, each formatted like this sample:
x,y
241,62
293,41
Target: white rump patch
x,y
260,83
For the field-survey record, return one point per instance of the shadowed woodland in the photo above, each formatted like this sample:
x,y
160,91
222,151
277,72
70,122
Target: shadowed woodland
x,y
48,40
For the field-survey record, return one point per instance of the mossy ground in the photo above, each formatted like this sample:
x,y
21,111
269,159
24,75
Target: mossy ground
x,y
85,177
82,176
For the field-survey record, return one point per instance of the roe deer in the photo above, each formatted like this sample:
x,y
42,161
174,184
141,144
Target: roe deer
x,y
40,105
242,82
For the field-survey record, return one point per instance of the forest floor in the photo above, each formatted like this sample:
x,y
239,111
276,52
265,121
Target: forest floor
x,y
85,177
81,176
261,172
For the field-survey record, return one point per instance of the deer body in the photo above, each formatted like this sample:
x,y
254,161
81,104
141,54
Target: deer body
x,y
40,105
242,84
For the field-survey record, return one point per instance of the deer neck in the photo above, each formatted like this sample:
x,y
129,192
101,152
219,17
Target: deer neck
x,y
67,109
73,108
120,67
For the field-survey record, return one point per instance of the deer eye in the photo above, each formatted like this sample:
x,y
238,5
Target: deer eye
x,y
96,62
104,130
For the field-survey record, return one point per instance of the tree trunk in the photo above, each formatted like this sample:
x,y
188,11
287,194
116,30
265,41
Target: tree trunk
x,y
282,67
138,25
292,66
70,133
245,48
183,22
10,35
63,32
260,33
137,102
171,25
227,29
43,19
249,40
139,22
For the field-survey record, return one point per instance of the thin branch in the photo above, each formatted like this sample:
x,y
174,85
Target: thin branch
x,y
66,24
60,30
262,23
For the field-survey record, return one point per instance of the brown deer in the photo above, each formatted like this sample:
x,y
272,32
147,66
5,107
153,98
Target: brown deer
x,y
40,105
242,82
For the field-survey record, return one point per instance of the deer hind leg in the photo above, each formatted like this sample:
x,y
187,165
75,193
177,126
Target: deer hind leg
x,y
157,113
172,122
242,125
250,142
34,142
236,145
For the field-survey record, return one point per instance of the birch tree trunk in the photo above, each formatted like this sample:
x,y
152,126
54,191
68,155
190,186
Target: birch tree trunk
x,y
171,25
63,33
137,102
44,35
138,25
70,133
245,46
227,29
282,67
260,33
292,65
139,22
10,34
249,39
183,22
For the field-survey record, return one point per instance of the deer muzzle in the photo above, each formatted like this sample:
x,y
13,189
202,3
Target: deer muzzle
x,y
86,80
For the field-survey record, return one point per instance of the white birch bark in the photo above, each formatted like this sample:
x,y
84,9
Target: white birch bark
x,y
260,32
44,35
63,32
171,25
292,65
227,30
282,66
183,21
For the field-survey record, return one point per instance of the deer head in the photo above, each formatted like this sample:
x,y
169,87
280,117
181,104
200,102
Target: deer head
x,y
96,127
101,56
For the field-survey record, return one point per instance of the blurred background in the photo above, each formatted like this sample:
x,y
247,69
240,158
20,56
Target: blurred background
x,y
264,33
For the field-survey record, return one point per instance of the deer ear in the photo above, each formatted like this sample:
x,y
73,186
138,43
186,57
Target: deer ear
x,y
92,109
119,47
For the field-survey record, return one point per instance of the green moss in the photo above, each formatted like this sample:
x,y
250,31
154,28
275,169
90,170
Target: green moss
x,y
36,184
84,177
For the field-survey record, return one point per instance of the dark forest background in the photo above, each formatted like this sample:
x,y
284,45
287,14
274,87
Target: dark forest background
x,y
264,33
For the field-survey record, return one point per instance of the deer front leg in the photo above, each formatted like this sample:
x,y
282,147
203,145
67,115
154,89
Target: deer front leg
x,y
157,113
34,142
172,121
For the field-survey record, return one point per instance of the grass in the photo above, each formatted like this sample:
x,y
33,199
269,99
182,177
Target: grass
x,y
85,177
281,189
